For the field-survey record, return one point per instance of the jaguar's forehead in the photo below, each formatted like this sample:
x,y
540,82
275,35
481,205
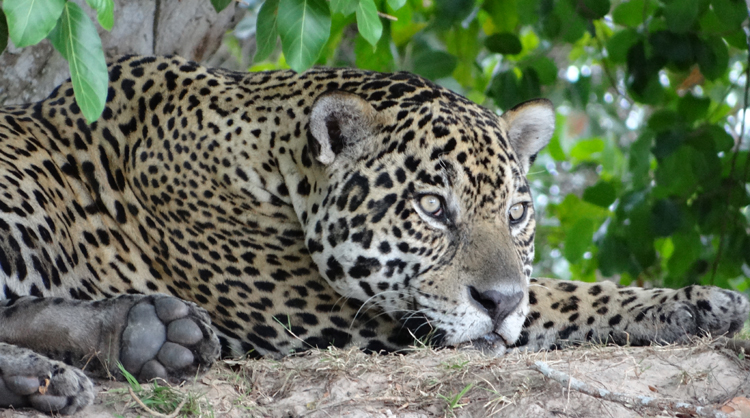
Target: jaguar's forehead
x,y
434,135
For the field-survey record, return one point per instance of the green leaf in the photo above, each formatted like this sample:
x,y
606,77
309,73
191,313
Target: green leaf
x,y
105,12
586,149
679,172
664,120
615,256
3,32
554,148
689,246
508,90
619,45
450,12
368,21
693,108
632,13
30,21
572,24
666,217
76,39
681,15
730,12
434,64
593,9
545,69
667,142
405,27
722,140
503,43
265,30
579,239
376,59
344,7
396,4
713,57
220,5
639,160
304,27
601,194
528,12
504,15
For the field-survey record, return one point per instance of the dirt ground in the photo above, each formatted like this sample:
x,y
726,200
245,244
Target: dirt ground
x,y
428,383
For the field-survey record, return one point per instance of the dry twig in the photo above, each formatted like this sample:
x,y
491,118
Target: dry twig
x,y
621,398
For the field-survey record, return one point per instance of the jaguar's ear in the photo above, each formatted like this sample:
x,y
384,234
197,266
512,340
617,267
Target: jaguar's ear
x,y
339,122
530,127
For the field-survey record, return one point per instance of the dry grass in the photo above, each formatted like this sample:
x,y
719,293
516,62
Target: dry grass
x,y
427,383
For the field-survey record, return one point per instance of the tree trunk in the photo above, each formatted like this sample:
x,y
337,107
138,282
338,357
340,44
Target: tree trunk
x,y
189,28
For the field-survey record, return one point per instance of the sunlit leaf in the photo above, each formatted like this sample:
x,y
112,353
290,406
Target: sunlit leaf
x,y
304,27
76,39
579,239
30,21
396,4
585,149
368,21
344,7
105,12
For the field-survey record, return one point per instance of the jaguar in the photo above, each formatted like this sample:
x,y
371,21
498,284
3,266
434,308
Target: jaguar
x,y
210,212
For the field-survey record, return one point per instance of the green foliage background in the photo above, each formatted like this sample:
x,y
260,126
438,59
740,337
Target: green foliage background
x,y
646,177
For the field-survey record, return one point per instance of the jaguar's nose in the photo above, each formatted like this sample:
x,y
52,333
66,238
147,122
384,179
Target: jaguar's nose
x,y
498,305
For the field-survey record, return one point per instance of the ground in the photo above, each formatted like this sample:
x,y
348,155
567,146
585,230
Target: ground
x,y
426,383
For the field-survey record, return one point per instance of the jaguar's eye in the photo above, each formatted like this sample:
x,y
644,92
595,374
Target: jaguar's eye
x,y
517,212
432,205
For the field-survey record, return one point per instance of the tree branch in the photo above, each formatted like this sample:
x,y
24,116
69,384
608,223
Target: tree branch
x,y
621,398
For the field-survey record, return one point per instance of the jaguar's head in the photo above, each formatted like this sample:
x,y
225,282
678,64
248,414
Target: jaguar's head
x,y
423,207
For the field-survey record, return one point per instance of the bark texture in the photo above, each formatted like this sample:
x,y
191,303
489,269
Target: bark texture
x,y
189,28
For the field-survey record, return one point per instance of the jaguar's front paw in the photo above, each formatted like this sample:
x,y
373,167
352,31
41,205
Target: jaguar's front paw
x,y
168,338
28,379
693,311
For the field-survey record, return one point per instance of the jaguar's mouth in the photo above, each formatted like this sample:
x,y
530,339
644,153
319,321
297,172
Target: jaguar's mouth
x,y
492,344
